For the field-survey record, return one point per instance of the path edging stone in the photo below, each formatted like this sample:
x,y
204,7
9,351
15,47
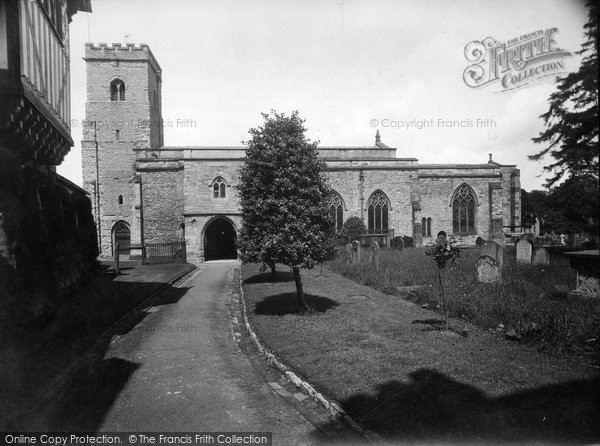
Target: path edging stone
x,y
333,407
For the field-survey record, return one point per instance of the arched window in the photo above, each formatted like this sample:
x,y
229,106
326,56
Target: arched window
x,y
378,207
463,211
120,199
336,210
219,188
117,90
426,227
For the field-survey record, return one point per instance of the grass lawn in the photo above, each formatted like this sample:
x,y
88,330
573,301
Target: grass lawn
x,y
531,299
386,362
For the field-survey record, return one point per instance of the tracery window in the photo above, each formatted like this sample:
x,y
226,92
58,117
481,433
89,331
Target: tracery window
x,y
378,208
117,90
463,211
219,188
336,210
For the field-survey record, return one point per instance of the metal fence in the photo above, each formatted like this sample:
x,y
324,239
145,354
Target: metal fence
x,y
173,252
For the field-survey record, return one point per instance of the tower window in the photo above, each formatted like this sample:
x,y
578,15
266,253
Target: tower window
x,y
117,135
219,188
117,90
120,199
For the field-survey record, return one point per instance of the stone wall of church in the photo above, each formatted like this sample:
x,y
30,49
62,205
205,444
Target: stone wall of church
x,y
395,184
198,181
435,198
162,202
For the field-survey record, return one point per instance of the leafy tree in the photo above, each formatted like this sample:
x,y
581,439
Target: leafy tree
x,y
284,199
534,204
571,134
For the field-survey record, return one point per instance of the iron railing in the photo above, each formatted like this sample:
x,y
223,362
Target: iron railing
x,y
173,252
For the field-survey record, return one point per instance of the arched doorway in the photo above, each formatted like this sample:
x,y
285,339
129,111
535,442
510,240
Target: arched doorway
x,y
122,235
219,240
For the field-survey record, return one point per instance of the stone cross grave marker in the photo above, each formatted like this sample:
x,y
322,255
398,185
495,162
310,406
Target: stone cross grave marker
x,y
488,270
541,257
375,250
355,252
524,251
495,250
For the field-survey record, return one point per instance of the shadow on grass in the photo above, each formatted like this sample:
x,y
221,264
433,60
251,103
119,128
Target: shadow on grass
x,y
436,408
427,322
287,303
280,276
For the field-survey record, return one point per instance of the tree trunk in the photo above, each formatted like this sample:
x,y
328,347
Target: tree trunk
x,y
273,271
299,292
444,309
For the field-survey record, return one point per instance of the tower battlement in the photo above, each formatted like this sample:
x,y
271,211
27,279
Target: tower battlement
x,y
129,52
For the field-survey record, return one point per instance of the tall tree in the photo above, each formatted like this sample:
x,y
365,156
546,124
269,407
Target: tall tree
x,y
571,134
284,198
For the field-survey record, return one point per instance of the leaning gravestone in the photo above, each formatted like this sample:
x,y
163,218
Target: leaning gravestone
x,y
494,250
541,257
488,270
355,252
524,251
375,250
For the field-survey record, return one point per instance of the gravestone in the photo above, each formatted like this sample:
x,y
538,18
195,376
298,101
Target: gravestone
x,y
488,270
355,252
541,257
375,250
498,234
495,250
397,243
524,251
348,249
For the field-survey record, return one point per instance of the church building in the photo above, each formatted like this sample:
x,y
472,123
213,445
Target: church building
x,y
147,193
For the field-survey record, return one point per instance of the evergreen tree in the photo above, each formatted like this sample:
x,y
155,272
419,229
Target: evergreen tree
x,y
571,134
284,198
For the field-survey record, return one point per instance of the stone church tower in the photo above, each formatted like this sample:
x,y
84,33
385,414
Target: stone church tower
x,y
123,121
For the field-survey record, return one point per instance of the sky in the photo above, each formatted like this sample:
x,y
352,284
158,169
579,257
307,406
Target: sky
x,y
349,67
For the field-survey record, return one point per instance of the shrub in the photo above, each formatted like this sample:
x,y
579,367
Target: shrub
x,y
353,225
409,242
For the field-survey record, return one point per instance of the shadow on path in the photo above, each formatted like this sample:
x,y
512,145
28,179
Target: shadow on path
x,y
55,377
436,408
